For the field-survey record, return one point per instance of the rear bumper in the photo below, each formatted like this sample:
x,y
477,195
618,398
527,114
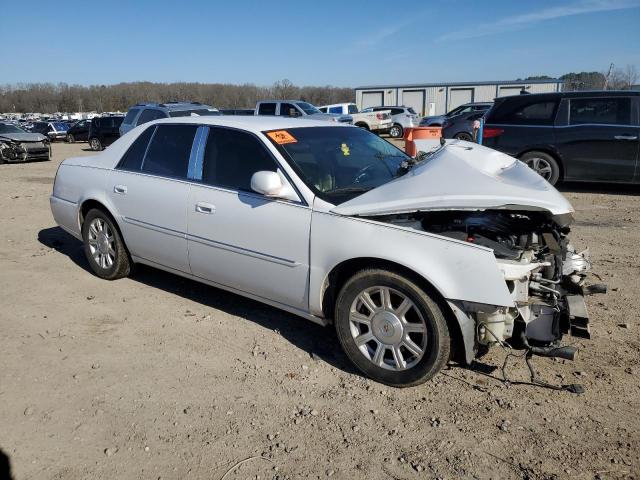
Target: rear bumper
x,y
65,214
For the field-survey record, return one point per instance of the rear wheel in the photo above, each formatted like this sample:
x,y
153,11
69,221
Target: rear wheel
x,y
103,246
391,329
70,138
396,131
544,165
96,144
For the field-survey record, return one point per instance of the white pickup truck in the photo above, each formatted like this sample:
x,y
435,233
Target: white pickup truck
x,y
378,122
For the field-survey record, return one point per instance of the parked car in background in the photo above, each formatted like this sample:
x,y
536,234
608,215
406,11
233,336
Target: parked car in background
x,y
469,108
79,131
17,145
402,117
103,131
332,223
53,130
461,126
237,111
579,136
377,122
145,112
298,109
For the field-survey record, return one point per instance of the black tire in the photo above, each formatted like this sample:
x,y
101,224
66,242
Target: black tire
x,y
542,160
96,144
120,265
436,346
70,138
467,137
396,131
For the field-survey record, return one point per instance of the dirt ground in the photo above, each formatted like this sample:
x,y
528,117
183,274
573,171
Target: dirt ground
x,y
158,377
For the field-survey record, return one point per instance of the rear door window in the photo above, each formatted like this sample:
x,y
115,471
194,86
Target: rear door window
x,y
169,151
149,114
267,109
231,157
131,115
335,110
132,160
612,111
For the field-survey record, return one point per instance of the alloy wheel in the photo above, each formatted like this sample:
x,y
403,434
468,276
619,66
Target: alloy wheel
x,y
388,328
540,166
102,243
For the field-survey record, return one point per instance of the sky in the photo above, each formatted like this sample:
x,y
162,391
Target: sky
x,y
326,42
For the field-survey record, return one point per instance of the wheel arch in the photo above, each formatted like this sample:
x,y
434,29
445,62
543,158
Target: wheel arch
x,y
92,203
549,151
339,274
362,124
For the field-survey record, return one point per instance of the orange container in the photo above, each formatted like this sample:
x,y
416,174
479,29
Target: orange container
x,y
419,133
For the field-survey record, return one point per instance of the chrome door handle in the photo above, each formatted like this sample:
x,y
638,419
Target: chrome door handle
x,y
121,189
626,137
207,208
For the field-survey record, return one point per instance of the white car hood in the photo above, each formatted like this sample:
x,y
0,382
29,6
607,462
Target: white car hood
x,y
461,176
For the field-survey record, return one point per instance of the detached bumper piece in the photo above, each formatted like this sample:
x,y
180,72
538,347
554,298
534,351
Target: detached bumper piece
x,y
578,316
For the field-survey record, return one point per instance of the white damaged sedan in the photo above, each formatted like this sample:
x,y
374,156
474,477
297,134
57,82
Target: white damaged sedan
x,y
415,262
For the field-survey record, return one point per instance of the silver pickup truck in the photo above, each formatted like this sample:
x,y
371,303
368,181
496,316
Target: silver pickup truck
x,y
298,108
377,122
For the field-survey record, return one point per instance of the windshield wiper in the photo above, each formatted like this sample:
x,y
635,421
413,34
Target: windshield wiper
x,y
350,190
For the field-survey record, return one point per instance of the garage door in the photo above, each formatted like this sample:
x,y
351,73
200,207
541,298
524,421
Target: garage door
x,y
507,91
372,99
414,99
459,96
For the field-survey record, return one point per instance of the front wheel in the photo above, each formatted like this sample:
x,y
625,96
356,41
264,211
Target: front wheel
x,y
544,165
396,131
70,138
391,329
96,144
103,246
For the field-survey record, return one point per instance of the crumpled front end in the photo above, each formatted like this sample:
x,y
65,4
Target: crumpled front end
x,y
543,271
22,151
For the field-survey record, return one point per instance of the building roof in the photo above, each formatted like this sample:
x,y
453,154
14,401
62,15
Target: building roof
x,y
460,84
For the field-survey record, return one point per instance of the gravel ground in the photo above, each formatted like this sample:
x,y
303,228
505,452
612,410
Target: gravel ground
x,y
156,376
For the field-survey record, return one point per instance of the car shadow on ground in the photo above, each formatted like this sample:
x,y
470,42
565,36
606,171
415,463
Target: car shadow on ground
x,y
589,187
320,343
5,466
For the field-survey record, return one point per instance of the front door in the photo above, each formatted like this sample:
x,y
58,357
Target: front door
x,y
150,191
241,239
600,142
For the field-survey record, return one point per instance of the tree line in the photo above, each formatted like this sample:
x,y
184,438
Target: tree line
x,y
62,97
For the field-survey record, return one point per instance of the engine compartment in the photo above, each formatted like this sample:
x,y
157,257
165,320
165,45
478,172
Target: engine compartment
x,y
543,272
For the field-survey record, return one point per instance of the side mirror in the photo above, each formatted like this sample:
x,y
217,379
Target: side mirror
x,y
272,184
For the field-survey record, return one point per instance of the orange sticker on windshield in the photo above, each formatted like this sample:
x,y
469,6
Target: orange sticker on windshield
x,y
282,137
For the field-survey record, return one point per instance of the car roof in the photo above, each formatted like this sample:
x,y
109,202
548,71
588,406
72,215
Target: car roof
x,y
255,123
174,106
573,94
281,101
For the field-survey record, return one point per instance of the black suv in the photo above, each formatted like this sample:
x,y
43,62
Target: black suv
x,y
79,131
104,131
577,136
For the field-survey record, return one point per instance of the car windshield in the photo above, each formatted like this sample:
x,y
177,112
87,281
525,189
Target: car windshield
x,y
308,108
200,112
339,163
8,128
352,109
60,127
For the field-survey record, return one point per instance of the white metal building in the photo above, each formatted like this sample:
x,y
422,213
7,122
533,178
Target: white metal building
x,y
439,98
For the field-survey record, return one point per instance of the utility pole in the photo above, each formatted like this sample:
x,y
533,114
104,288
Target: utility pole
x,y
606,79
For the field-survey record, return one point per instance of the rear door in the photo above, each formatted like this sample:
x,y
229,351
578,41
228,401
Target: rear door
x,y
600,140
150,190
239,238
